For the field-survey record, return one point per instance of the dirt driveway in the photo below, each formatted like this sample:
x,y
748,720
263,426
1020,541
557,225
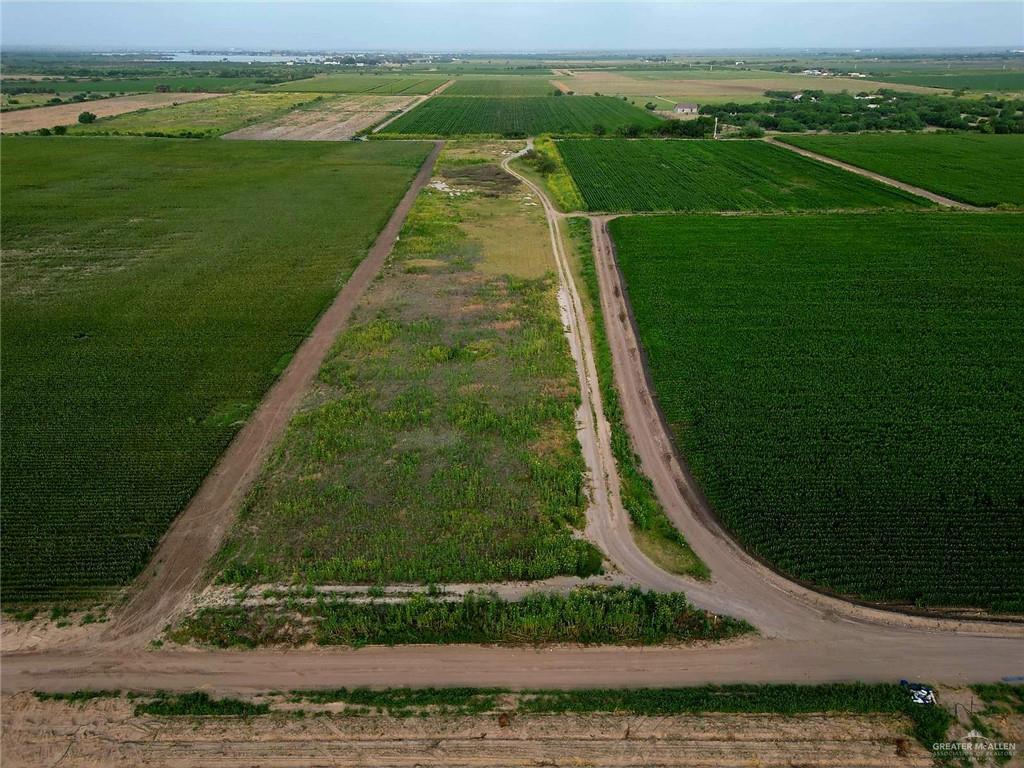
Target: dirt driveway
x,y
67,114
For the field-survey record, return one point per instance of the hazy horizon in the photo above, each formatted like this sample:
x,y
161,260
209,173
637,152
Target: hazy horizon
x,y
502,27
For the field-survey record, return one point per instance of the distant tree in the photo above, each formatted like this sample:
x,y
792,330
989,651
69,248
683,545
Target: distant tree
x,y
162,89
43,131
651,106
599,130
87,117
60,130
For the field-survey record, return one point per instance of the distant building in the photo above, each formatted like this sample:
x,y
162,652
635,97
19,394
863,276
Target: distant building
x,y
686,108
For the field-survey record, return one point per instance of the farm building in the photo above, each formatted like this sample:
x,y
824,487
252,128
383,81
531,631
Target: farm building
x,y
686,108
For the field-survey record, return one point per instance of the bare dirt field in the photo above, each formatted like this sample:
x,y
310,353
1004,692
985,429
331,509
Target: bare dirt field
x,y
714,90
329,120
107,732
67,114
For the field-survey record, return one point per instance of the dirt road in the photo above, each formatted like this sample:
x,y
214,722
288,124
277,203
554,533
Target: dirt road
x,y
175,568
67,114
946,201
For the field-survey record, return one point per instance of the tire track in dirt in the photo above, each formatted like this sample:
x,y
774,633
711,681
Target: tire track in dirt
x,y
196,534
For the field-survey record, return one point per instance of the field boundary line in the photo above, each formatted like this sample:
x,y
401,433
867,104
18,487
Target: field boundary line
x,y
887,180
194,537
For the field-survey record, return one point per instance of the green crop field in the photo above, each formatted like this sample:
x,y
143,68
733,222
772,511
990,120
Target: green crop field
x,y
138,84
977,169
653,175
142,324
847,390
500,85
996,80
407,85
210,117
455,115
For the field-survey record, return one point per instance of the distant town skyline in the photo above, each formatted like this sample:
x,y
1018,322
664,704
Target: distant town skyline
x,y
503,27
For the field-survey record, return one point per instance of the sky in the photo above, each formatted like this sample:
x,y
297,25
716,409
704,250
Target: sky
x,y
425,26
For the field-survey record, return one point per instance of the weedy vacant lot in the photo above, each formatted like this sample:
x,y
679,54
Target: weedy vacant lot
x,y
142,324
412,85
511,116
976,169
439,444
67,114
653,175
501,85
847,391
199,119
332,119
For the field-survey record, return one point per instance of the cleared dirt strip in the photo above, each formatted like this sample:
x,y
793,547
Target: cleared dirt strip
x,y
197,532
947,201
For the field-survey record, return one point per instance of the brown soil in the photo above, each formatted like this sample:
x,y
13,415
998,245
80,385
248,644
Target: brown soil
x,y
333,120
67,114
106,732
197,532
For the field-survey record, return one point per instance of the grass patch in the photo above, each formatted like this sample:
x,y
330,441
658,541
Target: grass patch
x,y
197,119
653,175
980,170
655,535
587,615
545,162
846,390
519,116
408,702
142,324
198,704
76,697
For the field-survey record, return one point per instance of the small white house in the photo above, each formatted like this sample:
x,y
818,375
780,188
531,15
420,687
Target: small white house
x,y
686,108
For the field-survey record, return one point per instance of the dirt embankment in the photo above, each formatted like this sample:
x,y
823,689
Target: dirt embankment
x,y
107,732
67,114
